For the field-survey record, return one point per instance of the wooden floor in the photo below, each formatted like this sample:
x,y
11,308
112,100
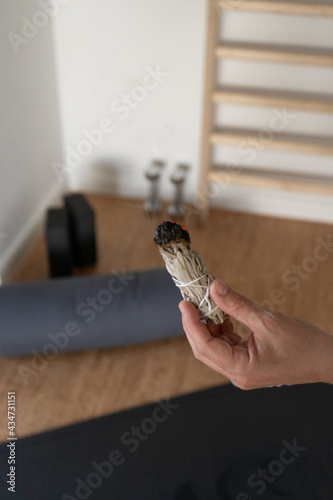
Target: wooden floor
x,y
250,252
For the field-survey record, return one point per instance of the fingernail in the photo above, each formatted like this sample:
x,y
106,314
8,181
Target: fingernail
x,y
221,287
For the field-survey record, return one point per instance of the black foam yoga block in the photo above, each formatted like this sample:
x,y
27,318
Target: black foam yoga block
x,y
216,444
82,227
58,243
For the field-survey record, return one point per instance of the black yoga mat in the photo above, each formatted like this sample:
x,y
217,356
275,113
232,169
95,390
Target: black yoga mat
x,y
91,312
220,443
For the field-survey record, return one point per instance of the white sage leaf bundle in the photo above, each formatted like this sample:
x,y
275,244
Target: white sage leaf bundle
x,y
187,270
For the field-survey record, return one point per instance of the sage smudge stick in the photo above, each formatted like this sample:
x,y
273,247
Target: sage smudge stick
x,y
187,270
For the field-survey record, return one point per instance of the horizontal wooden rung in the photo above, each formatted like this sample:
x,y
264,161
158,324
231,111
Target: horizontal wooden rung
x,y
268,139
321,9
273,98
275,53
272,180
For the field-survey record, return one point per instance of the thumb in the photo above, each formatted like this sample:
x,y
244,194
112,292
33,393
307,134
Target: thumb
x,y
236,305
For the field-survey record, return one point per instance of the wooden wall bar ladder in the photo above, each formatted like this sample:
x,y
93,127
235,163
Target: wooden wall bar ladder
x,y
304,101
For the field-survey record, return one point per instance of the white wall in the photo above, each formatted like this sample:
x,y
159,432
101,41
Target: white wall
x,y
103,51
30,134
279,29
287,30
95,53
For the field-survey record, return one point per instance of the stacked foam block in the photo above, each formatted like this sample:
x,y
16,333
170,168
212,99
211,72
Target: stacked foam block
x,y
70,236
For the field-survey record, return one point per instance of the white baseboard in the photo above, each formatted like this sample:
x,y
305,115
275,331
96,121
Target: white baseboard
x,y
28,234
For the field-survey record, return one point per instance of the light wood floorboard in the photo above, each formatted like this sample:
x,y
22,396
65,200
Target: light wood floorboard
x,y
250,252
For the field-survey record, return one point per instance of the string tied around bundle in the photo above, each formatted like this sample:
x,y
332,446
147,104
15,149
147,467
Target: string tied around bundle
x,y
205,299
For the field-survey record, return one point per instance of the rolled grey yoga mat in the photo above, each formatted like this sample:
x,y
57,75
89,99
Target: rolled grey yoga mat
x,y
71,314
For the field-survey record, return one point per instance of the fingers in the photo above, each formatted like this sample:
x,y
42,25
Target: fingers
x,y
215,352
236,305
191,321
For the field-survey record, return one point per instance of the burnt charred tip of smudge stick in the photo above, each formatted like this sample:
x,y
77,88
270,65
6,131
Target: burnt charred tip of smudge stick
x,y
170,230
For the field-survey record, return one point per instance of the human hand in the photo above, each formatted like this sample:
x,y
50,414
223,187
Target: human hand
x,y
280,350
